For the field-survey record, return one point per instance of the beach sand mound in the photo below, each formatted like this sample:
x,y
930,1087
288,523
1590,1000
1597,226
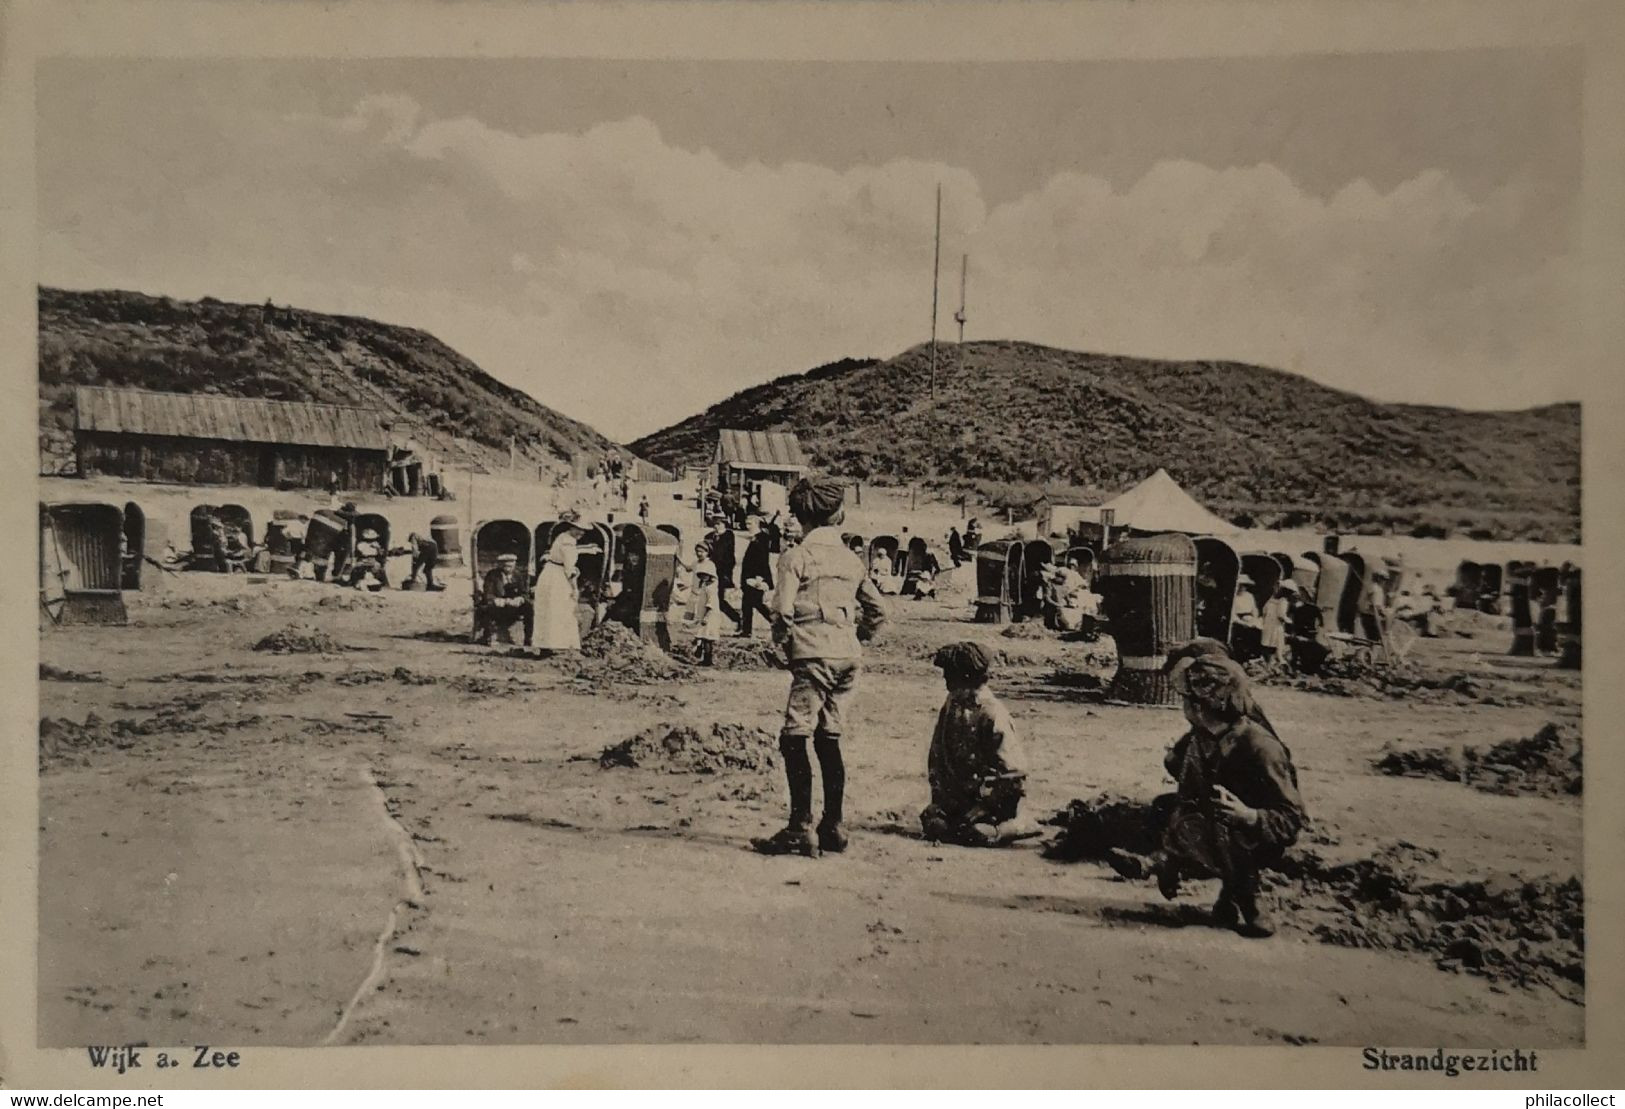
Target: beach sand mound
x,y
1506,927
1547,763
685,749
299,639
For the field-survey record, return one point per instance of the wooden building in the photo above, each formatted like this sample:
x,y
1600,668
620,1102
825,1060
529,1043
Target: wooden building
x,y
213,440
1061,513
745,458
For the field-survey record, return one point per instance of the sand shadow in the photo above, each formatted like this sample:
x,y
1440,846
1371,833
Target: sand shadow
x,y
435,635
1072,687
892,828
641,831
1176,915
1180,914
1031,902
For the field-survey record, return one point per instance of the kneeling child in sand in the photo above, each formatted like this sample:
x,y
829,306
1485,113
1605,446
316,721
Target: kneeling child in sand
x,y
976,765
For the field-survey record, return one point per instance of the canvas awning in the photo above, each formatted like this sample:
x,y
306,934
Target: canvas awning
x,y
1159,504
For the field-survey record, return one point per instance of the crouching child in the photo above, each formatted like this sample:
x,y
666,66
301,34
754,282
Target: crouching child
x,y
824,608
1237,809
976,766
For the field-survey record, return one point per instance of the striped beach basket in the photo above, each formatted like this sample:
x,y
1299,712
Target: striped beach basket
x,y
1148,594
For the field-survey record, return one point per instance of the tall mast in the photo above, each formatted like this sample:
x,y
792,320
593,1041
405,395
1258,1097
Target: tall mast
x,y
959,316
936,266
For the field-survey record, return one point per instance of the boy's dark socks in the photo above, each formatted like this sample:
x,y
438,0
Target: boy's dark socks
x,y
798,775
832,769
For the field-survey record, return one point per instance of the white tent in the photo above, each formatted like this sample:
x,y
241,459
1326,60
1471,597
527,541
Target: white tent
x,y
1159,504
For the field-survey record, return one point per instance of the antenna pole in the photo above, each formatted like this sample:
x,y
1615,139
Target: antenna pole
x,y
964,267
936,267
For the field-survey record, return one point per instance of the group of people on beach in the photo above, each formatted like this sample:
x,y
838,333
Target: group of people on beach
x,y
1235,808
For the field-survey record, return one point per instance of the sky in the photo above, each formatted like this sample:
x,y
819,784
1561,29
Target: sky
x,y
632,241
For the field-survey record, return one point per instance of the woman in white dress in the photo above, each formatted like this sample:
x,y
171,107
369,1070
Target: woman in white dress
x,y
1277,612
556,626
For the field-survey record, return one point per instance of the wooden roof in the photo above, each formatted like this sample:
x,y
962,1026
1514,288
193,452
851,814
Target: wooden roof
x,y
761,450
235,419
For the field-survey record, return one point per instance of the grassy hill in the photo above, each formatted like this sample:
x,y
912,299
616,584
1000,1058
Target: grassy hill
x,y
209,346
1259,445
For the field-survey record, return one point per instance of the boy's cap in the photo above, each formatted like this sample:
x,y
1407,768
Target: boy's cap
x,y
817,496
964,657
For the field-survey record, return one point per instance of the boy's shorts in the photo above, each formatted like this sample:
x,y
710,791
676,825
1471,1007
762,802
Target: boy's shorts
x,y
820,690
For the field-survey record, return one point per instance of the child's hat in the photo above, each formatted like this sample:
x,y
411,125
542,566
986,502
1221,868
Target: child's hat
x,y
965,657
706,569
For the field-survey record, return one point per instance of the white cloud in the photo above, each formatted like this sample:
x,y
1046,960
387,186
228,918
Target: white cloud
x,y
629,282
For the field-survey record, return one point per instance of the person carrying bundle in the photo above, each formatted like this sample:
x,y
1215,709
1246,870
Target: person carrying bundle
x,y
425,554
755,577
723,557
976,765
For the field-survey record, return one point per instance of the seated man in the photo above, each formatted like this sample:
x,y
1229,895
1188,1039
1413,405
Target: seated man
x,y
1306,633
1237,807
504,600
1064,604
172,559
976,763
367,562
236,552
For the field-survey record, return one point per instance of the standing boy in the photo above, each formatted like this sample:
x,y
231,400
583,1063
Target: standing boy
x,y
824,608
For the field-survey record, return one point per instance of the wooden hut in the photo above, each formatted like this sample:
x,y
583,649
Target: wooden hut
x,y
214,440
